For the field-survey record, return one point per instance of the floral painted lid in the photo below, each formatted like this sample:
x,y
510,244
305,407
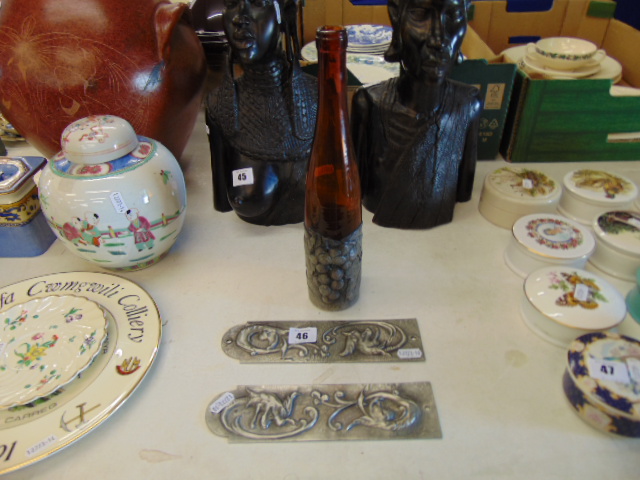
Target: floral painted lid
x,y
620,230
575,298
100,146
606,367
553,236
600,187
523,184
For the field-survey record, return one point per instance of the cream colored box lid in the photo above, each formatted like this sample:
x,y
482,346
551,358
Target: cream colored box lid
x,y
523,185
600,187
575,298
553,236
619,230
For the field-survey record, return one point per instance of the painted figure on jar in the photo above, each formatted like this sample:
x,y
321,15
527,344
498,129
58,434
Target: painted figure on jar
x,y
416,135
140,227
261,117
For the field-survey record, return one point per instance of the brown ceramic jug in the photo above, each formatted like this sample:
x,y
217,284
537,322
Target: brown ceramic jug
x,y
62,60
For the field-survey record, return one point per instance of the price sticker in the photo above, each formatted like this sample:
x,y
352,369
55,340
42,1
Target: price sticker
x,y
118,202
222,402
581,292
243,176
633,364
527,183
409,353
303,335
31,451
613,370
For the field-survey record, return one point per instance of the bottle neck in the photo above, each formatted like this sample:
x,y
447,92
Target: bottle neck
x,y
331,43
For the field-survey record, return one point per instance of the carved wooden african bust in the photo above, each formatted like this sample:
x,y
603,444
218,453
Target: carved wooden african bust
x,y
261,117
416,135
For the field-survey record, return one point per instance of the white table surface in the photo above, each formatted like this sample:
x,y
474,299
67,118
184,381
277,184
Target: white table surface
x,y
497,385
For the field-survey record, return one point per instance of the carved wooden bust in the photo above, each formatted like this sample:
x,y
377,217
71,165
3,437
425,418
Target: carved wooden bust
x,y
261,116
416,135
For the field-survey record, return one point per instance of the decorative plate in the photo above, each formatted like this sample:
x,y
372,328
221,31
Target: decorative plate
x,y
528,62
32,432
366,35
45,343
610,68
553,236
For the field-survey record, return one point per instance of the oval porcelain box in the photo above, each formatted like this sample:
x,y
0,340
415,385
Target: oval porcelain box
x,y
602,382
633,299
562,303
511,192
540,240
617,244
588,193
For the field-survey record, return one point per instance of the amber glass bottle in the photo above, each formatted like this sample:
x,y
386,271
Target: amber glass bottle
x,y
333,211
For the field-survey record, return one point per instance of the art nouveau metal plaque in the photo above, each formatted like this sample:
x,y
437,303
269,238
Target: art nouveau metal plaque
x,y
325,341
325,412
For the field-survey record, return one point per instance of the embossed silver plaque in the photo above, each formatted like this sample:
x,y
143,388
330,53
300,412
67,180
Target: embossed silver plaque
x,y
325,341
325,412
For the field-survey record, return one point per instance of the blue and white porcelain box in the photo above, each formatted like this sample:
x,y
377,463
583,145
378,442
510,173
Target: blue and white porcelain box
x,y
23,228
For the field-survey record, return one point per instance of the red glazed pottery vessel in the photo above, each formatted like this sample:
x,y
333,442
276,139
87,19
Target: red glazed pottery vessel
x,y
63,60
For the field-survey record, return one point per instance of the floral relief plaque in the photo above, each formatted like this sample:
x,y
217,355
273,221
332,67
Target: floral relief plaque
x,y
325,412
325,341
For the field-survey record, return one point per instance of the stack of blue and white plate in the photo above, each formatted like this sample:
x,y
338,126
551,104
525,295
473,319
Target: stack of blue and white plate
x,y
369,39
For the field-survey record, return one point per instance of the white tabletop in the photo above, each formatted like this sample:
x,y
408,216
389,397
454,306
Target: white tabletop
x,y
497,385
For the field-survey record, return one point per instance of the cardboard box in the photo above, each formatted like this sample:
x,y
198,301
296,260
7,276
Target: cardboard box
x,y
567,120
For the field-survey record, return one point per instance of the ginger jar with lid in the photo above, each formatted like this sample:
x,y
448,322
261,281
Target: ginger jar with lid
x,y
113,197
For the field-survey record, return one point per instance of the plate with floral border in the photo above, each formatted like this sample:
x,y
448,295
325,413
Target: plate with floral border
x,y
31,432
45,343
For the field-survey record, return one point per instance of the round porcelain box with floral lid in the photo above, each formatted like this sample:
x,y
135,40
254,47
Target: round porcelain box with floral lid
x,y
617,244
112,197
602,382
511,192
588,193
562,303
544,239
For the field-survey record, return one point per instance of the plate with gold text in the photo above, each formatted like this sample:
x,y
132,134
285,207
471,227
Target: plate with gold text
x,y
31,432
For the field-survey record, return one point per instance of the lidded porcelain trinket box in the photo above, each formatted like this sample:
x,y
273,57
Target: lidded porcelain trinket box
x,y
588,193
540,240
633,299
617,244
23,228
511,192
562,303
112,197
602,382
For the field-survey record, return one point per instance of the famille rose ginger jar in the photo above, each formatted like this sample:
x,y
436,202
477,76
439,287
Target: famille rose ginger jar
x,y
62,60
113,197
